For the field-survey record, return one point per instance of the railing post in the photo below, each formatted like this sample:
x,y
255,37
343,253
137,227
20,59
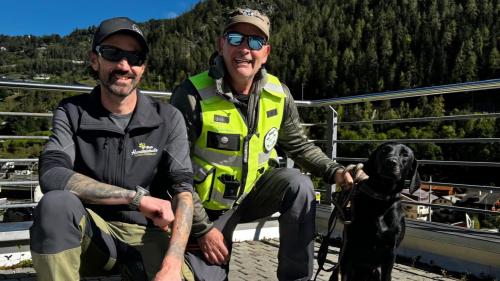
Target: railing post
x,y
331,147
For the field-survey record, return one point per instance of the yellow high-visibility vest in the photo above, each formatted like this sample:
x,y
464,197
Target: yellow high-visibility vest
x,y
227,158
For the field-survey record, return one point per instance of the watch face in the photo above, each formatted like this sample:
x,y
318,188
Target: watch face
x,y
270,139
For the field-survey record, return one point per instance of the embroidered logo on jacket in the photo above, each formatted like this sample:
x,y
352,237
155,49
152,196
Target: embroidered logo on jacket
x,y
144,150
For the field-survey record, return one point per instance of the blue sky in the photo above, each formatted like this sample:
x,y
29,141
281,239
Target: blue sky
x,y
45,17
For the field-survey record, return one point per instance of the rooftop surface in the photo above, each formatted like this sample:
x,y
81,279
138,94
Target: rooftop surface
x,y
254,261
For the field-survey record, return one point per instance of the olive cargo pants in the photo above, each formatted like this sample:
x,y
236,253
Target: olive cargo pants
x,y
69,241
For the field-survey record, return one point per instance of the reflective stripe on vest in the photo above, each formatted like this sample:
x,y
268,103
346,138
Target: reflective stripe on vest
x,y
225,155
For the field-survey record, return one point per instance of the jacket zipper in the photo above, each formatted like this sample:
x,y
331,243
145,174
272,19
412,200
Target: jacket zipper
x,y
120,169
244,171
106,153
246,142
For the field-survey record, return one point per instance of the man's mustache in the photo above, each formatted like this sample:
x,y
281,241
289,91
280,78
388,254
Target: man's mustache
x,y
127,74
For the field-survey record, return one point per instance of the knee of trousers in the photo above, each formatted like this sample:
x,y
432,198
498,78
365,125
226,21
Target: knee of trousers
x,y
56,222
300,186
299,201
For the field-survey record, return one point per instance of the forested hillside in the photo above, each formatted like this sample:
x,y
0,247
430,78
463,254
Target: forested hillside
x,y
320,49
331,47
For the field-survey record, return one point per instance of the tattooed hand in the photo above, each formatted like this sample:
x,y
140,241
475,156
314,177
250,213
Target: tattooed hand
x,y
172,263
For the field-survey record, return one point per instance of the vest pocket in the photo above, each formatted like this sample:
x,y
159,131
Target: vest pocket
x,y
217,186
228,142
203,178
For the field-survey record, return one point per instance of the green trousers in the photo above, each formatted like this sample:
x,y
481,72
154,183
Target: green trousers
x,y
69,241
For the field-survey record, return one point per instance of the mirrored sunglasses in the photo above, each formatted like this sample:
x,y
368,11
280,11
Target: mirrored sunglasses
x,y
114,54
254,42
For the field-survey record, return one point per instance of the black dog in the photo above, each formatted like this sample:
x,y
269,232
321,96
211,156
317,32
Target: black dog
x,y
377,220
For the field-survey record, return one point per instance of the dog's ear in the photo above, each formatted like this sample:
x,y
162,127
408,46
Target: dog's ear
x,y
414,177
369,166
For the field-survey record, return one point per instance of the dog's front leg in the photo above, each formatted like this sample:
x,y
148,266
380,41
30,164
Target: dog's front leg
x,y
386,268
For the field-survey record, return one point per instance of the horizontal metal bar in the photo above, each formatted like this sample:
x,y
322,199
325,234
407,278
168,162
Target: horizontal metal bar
x,y
422,119
22,205
451,140
431,162
318,141
314,124
459,185
28,114
14,183
464,209
63,88
459,163
19,160
350,159
24,137
407,93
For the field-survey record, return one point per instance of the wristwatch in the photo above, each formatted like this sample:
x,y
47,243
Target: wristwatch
x,y
136,201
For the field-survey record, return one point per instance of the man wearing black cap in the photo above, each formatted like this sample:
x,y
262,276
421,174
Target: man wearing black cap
x,y
115,173
236,114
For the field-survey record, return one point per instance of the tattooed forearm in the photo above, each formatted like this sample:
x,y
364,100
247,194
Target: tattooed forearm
x,y
95,192
183,206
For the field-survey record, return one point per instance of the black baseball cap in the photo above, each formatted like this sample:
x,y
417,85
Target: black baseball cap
x,y
118,25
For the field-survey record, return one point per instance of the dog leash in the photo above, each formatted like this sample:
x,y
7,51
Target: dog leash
x,y
340,203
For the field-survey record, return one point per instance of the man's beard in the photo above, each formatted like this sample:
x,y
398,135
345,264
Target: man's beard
x,y
118,90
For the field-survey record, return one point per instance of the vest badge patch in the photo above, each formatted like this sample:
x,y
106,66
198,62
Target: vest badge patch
x,y
272,112
270,139
144,150
221,119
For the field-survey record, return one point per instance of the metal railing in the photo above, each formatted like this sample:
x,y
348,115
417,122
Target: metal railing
x,y
407,93
23,85
332,125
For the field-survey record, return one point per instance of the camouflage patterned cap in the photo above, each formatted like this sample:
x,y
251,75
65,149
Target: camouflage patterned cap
x,y
253,17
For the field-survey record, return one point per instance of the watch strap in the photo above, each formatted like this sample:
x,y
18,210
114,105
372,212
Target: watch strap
x,y
139,193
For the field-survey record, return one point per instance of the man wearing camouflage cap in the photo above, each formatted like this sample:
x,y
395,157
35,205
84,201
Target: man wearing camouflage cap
x,y
236,114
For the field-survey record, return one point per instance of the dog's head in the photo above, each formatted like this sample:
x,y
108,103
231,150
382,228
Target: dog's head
x,y
393,163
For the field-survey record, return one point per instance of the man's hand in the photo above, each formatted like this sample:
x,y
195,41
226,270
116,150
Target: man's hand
x,y
214,247
172,263
164,275
170,271
343,179
356,172
158,210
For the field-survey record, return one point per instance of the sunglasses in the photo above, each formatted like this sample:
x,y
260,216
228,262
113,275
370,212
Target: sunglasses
x,y
254,42
115,55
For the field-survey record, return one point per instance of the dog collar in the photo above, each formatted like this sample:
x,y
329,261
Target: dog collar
x,y
367,190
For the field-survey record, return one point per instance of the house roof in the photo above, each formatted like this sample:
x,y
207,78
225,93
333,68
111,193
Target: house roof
x,y
419,195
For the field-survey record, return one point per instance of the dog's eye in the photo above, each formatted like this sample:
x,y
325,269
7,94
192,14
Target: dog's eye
x,y
404,153
387,149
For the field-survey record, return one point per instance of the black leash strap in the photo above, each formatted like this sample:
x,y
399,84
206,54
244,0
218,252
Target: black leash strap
x,y
340,203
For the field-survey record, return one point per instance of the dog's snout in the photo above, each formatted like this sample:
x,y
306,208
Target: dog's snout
x,y
391,162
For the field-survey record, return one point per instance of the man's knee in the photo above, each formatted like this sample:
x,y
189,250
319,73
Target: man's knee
x,y
58,205
56,222
301,185
299,201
